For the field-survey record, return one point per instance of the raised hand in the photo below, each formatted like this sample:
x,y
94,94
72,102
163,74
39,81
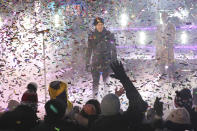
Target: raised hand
x,y
119,92
158,107
118,69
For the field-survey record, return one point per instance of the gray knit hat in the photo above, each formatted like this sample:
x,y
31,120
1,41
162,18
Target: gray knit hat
x,y
110,105
180,116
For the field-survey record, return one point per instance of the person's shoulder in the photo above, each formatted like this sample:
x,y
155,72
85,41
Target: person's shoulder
x,y
108,32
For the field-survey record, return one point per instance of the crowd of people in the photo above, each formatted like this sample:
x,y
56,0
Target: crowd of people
x,y
62,115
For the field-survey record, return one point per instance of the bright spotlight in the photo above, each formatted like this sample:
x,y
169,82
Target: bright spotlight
x,y
142,37
57,20
160,19
185,13
124,20
184,38
132,16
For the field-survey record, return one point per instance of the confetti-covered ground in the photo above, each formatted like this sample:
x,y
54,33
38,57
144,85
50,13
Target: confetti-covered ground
x,y
141,70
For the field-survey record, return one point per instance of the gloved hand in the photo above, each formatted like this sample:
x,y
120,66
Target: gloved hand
x,y
158,107
118,69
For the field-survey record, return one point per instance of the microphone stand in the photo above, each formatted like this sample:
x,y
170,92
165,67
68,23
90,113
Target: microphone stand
x,y
44,61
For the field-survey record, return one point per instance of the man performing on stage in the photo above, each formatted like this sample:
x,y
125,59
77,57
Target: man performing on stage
x,y
100,53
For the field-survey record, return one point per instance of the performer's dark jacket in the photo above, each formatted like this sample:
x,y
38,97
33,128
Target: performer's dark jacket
x,y
101,50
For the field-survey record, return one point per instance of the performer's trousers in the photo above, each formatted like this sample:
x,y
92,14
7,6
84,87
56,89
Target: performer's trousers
x,y
96,78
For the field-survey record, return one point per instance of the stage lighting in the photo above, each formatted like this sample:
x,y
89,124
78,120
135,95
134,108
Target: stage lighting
x,y
160,19
57,20
132,16
124,20
185,13
184,38
142,37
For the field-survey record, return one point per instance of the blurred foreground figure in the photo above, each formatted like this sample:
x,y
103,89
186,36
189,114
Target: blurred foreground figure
x,y
165,38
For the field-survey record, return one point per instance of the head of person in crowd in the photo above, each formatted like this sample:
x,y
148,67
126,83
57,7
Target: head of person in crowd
x,y
88,110
183,98
55,110
110,105
12,105
59,90
32,86
99,24
30,96
91,108
22,118
178,120
96,104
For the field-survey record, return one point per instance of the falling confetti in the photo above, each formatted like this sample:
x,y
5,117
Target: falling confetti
x,y
22,59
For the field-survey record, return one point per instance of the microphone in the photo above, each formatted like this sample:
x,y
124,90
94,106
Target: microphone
x,y
43,31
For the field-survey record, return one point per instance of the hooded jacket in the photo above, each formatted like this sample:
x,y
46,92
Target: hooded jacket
x,y
58,90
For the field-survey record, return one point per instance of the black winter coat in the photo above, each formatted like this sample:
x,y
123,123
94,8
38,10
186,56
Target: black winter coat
x,y
61,125
102,50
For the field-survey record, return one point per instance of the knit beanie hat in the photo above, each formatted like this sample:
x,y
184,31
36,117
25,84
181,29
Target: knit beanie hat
x,y
98,20
183,98
32,86
58,90
110,105
55,109
179,116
